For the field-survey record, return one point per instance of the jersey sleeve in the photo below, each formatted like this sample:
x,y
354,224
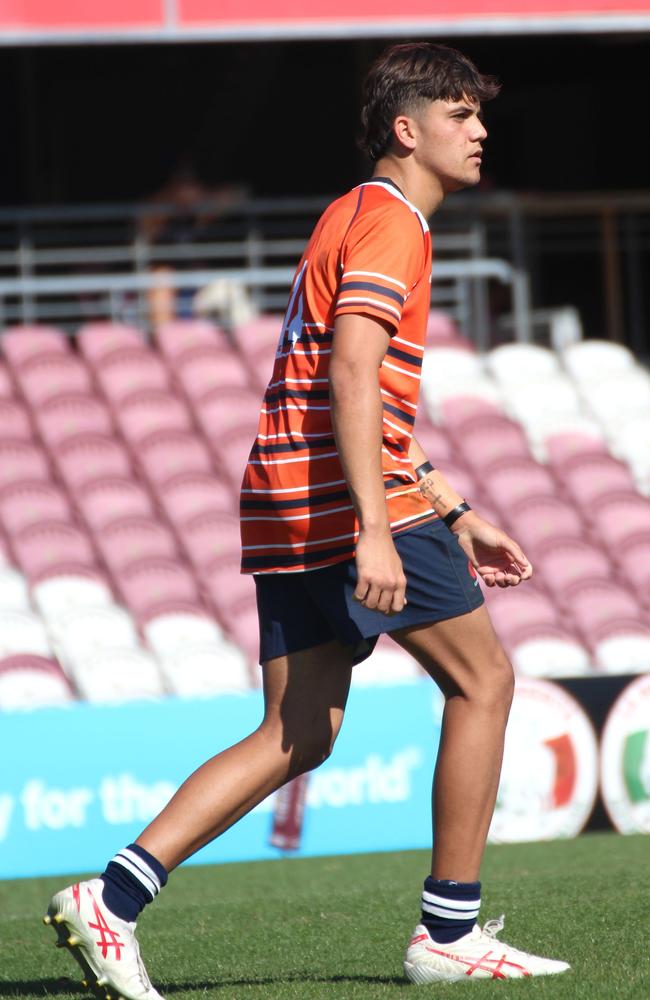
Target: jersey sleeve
x,y
382,260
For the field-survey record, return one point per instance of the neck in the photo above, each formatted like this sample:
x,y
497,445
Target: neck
x,y
425,191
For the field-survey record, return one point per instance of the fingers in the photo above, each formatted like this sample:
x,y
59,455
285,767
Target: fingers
x,y
386,596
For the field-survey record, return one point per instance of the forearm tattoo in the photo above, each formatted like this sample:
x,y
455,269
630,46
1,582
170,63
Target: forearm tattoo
x,y
427,490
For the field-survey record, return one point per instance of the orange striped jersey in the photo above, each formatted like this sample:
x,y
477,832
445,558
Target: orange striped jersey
x,y
370,253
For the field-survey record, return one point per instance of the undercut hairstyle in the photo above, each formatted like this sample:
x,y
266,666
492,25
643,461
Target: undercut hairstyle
x,y
406,77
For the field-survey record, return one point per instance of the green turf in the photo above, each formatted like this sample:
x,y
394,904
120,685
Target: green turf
x,y
335,928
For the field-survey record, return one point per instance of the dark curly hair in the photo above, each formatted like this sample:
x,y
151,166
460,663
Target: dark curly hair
x,y
406,76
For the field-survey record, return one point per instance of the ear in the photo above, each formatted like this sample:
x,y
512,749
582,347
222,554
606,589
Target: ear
x,y
405,132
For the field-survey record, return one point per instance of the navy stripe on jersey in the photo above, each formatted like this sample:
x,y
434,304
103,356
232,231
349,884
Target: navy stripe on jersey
x,y
297,559
293,504
412,359
369,286
391,484
277,395
277,449
408,418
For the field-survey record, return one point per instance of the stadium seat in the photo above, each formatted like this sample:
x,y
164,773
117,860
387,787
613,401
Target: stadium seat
x,y
539,520
14,422
513,609
29,681
232,449
132,539
182,336
442,332
23,632
70,415
172,632
162,455
202,670
633,560
86,458
515,364
564,562
461,404
21,344
591,359
460,477
118,674
450,364
153,583
6,383
14,595
220,410
511,479
619,396
258,339
629,440
226,585
97,341
129,370
565,437
187,496
548,651
620,517
552,396
622,646
209,368
22,462
209,536
104,500
243,627
69,588
483,440
25,504
596,602
42,379
80,632
147,411
589,478
42,547
435,442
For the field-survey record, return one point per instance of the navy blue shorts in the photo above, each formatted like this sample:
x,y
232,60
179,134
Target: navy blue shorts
x,y
302,610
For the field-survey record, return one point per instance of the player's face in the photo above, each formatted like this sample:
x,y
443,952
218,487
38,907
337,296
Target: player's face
x,y
449,138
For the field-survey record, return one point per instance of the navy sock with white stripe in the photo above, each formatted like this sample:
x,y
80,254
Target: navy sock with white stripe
x,y
132,879
450,909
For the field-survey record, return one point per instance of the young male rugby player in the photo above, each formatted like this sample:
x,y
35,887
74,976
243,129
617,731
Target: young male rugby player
x,y
352,533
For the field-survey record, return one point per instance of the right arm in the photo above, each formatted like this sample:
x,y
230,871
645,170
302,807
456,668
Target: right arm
x,y
358,349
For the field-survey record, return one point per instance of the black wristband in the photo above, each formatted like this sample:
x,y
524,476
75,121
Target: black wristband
x,y
424,470
454,514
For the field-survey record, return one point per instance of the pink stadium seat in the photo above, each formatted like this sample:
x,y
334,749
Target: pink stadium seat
x,y
132,539
129,370
6,384
437,444
224,408
548,651
45,378
107,500
176,338
457,409
621,517
86,457
595,602
513,609
188,496
633,559
443,332
24,504
243,627
14,422
205,369
232,450
42,547
259,337
97,341
31,681
147,411
564,445
566,561
511,479
485,439
165,454
70,415
208,537
22,462
590,478
23,343
460,477
226,585
539,520
152,584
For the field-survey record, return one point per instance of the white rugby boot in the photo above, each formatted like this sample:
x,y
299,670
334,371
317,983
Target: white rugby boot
x,y
104,946
477,955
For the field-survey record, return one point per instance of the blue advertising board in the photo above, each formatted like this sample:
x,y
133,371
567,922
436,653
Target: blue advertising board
x,y
79,782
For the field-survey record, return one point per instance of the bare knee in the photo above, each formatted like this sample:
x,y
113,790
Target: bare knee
x,y
306,745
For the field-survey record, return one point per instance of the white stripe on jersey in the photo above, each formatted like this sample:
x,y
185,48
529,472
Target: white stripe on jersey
x,y
360,299
374,274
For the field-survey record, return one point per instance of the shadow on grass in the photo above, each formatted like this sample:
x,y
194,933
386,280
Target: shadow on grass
x,y
62,986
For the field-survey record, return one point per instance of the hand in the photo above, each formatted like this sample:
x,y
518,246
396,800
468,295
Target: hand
x,y
381,583
494,555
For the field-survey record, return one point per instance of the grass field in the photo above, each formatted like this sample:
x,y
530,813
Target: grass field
x,y
336,928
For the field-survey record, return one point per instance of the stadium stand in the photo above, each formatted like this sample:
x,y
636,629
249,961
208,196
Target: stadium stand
x,y
120,462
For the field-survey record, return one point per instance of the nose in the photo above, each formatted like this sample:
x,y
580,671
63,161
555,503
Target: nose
x,y
480,131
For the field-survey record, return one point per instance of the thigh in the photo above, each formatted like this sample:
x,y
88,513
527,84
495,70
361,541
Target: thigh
x,y
459,653
307,691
